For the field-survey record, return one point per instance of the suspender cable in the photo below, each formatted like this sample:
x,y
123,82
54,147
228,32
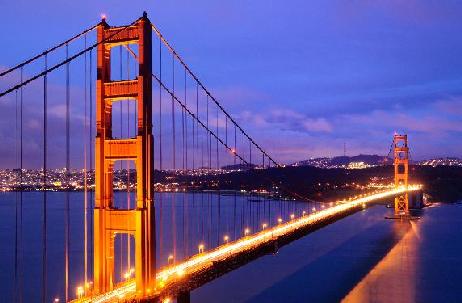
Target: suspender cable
x,y
16,130
219,218
67,215
218,158
160,109
202,154
182,139
128,168
234,215
208,131
173,202
235,144
160,151
90,139
186,122
182,124
193,143
208,138
44,184
85,172
183,224
183,154
180,60
174,158
195,122
20,267
173,113
121,165
18,206
209,225
250,153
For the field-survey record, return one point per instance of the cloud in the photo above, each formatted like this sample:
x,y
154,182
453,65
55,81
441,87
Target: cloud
x,y
286,120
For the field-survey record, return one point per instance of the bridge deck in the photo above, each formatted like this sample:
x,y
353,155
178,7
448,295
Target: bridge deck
x,y
201,268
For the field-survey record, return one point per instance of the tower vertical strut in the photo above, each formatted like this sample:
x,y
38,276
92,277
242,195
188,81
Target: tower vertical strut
x,y
109,221
401,163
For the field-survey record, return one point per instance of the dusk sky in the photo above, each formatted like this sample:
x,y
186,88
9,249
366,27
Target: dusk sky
x,y
303,77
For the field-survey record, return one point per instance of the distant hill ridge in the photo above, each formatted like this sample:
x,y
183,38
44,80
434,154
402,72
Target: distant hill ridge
x,y
345,160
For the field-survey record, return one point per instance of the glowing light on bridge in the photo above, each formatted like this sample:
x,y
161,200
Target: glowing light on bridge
x,y
246,232
203,260
80,292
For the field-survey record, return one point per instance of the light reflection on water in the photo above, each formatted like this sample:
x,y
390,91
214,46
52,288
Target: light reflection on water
x,y
361,258
393,279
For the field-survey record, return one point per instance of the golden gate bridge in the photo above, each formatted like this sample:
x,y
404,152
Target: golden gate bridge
x,y
139,81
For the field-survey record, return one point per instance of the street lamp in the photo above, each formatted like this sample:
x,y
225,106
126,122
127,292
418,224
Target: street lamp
x,y
246,231
201,248
80,292
226,238
264,225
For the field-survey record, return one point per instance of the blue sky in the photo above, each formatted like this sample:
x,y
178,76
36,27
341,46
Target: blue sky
x,y
302,77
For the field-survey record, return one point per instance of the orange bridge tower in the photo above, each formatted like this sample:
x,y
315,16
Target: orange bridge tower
x,y
401,161
108,221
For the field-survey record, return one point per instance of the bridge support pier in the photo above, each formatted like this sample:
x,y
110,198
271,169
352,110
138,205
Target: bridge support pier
x,y
401,162
108,220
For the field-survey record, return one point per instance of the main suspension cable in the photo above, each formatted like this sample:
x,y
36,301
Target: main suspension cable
x,y
68,59
209,131
44,53
175,54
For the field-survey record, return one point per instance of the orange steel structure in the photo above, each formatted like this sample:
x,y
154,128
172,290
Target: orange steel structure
x,y
401,161
108,221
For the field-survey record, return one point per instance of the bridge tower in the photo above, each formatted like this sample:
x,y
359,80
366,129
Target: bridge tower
x,y
108,221
401,161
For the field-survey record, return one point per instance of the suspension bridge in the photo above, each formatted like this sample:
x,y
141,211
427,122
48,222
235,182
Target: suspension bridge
x,y
120,102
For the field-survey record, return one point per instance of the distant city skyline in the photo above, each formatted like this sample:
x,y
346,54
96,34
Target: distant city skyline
x,y
311,76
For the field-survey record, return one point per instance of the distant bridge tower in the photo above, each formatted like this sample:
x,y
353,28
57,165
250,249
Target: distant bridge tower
x,y
108,221
401,156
